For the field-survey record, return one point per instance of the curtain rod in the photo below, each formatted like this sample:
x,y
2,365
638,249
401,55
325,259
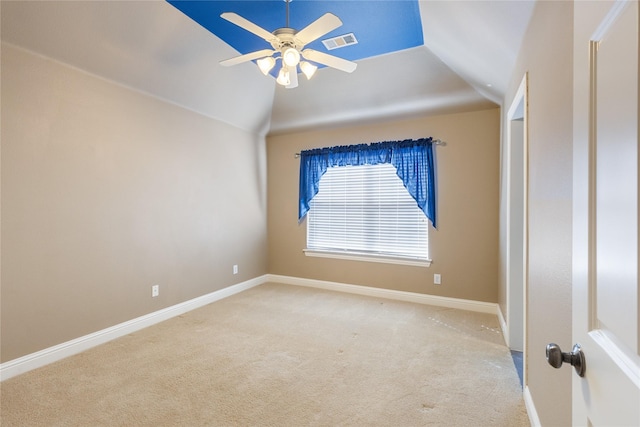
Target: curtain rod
x,y
435,142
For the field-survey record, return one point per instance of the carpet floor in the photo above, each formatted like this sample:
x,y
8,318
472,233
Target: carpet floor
x,y
280,355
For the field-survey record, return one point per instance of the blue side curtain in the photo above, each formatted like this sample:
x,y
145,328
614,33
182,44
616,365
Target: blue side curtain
x,y
413,160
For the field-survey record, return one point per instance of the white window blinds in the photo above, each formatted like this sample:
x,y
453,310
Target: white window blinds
x,y
366,210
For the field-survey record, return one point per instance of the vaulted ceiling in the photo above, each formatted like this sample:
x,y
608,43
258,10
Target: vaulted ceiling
x,y
414,57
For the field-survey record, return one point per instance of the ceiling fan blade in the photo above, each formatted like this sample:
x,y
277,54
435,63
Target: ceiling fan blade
x,y
318,28
247,57
329,60
293,77
241,22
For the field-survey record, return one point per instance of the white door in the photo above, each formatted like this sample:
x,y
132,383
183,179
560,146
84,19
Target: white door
x,y
605,213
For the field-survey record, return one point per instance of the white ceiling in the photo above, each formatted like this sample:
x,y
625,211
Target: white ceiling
x,y
152,47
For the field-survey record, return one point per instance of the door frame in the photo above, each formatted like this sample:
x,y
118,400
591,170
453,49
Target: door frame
x,y
516,291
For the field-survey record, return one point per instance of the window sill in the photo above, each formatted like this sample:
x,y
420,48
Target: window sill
x,y
355,256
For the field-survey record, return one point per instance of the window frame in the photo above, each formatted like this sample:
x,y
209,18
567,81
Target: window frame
x,y
355,255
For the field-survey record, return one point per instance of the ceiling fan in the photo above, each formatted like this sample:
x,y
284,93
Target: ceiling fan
x,y
290,44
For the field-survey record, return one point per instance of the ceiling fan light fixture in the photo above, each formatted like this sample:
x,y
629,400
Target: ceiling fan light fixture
x,y
266,64
288,45
291,57
308,69
283,77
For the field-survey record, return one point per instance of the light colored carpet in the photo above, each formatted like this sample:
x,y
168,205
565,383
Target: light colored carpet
x,y
280,355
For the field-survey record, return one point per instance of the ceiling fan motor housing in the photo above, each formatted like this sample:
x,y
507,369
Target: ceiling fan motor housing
x,y
288,46
285,38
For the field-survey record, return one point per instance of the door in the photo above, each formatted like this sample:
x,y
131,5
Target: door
x,y
605,213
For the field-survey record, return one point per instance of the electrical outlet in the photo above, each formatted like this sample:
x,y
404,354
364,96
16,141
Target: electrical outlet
x,y
155,290
235,269
437,280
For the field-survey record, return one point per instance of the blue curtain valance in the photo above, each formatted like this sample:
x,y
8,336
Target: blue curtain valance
x,y
413,160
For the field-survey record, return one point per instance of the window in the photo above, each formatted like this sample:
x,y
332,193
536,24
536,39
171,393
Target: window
x,y
365,211
374,203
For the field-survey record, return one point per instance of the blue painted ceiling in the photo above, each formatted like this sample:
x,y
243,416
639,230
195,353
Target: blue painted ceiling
x,y
379,26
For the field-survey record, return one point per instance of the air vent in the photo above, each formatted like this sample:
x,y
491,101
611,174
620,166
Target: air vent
x,y
340,41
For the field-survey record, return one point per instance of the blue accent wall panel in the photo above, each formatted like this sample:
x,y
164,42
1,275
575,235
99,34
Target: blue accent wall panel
x,y
380,26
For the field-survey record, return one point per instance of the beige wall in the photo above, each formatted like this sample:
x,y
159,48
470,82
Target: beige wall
x,y
105,192
464,249
546,55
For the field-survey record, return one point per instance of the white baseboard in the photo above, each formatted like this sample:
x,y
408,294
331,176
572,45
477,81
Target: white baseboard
x,y
504,327
462,304
53,354
58,352
531,408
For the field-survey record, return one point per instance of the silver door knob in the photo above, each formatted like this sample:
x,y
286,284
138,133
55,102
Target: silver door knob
x,y
556,358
